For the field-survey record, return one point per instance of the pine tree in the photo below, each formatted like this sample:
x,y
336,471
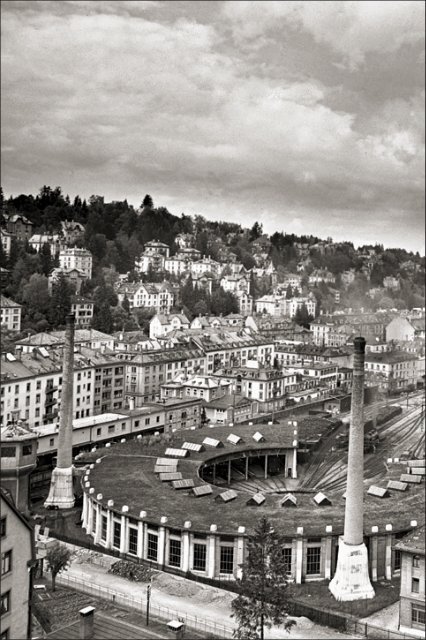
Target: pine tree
x,y
263,586
46,259
289,292
102,318
60,302
147,202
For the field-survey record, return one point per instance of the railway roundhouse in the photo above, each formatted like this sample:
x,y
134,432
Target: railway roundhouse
x,y
189,507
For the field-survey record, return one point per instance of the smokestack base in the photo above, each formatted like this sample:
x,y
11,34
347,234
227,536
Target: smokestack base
x,y
351,580
61,493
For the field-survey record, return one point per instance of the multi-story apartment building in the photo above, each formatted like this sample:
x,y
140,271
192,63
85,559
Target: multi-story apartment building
x,y
293,280
31,383
82,308
206,265
155,246
412,595
10,314
245,303
321,275
322,374
75,258
90,338
233,348
264,384
394,370
326,333
176,265
6,241
198,386
54,241
390,282
147,372
292,305
405,329
148,295
236,284
162,324
19,226
17,557
74,277
153,257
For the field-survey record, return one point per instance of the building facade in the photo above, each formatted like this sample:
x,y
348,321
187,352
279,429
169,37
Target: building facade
x,y
412,596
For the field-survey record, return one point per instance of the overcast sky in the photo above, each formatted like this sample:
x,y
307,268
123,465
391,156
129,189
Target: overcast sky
x,y
306,116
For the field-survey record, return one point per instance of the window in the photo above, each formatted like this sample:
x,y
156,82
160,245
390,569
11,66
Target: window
x,y
133,541
397,560
5,603
226,559
174,553
111,429
8,452
51,442
104,528
287,556
116,535
313,564
415,585
416,561
418,615
6,562
95,519
99,431
27,449
3,527
146,420
152,551
199,557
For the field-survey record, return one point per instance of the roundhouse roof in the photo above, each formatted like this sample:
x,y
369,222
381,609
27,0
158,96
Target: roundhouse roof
x,y
126,475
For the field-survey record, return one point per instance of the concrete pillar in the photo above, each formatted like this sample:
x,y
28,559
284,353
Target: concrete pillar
x,y
145,540
109,531
266,465
89,526
229,471
211,556
373,554
98,524
161,545
299,556
328,550
185,551
247,468
140,540
239,553
388,553
294,465
84,511
124,543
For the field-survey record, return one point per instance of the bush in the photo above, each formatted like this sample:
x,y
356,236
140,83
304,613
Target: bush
x,y
131,571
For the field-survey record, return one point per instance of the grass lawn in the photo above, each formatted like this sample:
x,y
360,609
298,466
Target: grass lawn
x,y
318,595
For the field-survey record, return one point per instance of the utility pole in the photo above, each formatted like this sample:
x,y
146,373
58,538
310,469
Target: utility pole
x,y
148,595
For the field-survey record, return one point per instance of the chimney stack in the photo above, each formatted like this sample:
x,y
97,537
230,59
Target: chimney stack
x,y
61,492
87,623
351,580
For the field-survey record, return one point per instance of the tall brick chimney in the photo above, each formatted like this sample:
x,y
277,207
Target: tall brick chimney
x,y
351,580
61,492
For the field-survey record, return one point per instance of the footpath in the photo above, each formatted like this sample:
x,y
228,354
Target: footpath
x,y
174,597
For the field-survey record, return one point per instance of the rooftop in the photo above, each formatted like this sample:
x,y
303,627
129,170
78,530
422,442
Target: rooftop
x,y
7,303
413,541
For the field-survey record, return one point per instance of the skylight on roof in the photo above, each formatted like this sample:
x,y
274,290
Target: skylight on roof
x,y
178,453
233,439
229,495
192,446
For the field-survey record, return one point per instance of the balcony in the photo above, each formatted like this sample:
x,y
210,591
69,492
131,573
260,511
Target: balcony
x,y
50,402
